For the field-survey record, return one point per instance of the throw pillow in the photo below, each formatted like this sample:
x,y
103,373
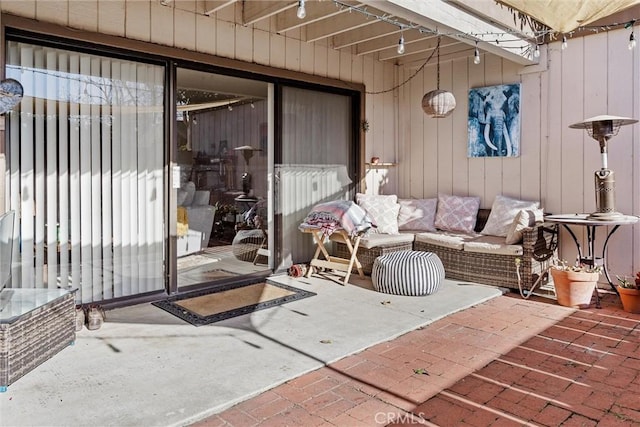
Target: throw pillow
x,y
503,212
383,211
456,213
417,214
524,219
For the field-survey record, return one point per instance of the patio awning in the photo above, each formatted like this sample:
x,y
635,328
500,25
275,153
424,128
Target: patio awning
x,y
567,15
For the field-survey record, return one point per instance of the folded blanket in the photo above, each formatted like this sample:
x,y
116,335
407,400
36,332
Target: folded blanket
x,y
338,214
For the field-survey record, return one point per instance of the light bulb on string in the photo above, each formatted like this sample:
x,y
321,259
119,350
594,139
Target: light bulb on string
x,y
632,41
536,52
476,55
401,45
301,13
564,42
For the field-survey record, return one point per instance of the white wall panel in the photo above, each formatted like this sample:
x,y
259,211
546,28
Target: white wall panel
x,y
205,34
138,20
185,29
111,17
56,12
83,14
595,75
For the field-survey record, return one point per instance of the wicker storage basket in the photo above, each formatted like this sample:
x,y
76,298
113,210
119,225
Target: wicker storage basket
x,y
28,340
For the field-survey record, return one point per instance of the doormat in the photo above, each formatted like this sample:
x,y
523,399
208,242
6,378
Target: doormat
x,y
205,307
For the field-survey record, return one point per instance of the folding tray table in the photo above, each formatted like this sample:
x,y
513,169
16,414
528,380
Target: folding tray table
x,y
332,262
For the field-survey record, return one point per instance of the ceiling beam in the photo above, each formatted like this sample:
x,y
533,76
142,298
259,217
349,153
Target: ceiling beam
x,y
424,47
257,10
316,11
391,40
340,23
446,19
212,6
364,34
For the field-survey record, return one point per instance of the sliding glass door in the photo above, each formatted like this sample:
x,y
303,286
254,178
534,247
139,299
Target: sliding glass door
x,y
221,141
317,162
86,172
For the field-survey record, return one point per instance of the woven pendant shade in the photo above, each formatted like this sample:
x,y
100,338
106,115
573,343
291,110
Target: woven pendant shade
x,y
438,103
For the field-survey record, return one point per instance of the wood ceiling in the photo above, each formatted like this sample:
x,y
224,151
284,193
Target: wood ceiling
x,y
374,27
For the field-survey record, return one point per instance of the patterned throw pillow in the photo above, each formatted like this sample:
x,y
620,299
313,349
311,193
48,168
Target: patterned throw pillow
x,y
383,210
456,213
524,219
503,212
417,214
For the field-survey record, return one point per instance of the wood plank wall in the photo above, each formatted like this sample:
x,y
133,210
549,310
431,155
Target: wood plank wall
x,y
595,75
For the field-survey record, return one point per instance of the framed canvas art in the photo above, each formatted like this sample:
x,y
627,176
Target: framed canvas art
x,y
494,121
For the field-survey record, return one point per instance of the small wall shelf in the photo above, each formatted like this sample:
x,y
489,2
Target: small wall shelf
x,y
380,165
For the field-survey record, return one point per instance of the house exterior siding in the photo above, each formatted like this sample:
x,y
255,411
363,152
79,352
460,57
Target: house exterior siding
x,y
595,75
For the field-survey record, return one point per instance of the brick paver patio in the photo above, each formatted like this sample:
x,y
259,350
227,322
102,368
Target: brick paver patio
x,y
506,362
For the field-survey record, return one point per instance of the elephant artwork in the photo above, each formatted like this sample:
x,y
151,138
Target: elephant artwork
x,y
494,121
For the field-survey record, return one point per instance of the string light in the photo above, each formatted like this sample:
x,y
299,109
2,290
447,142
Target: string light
x,y
536,52
229,107
476,55
632,41
517,35
401,45
301,13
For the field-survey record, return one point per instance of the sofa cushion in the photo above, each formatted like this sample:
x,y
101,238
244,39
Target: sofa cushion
x,y
457,213
373,240
417,214
503,212
383,210
524,219
492,245
446,239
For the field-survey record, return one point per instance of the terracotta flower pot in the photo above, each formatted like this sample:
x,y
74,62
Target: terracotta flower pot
x,y
574,288
630,299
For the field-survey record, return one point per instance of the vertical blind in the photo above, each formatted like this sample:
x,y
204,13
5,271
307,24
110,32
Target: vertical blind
x,y
85,172
316,142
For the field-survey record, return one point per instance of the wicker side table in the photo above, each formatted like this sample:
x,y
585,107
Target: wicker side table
x,y
35,324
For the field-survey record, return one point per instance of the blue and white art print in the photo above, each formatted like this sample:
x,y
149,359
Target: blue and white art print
x,y
494,121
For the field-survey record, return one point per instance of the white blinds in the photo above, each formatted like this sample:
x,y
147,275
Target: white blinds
x,y
86,172
316,141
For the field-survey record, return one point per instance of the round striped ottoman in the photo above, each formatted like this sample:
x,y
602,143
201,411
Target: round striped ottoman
x,y
407,273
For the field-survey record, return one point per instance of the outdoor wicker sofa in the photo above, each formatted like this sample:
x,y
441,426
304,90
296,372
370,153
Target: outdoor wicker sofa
x,y
472,256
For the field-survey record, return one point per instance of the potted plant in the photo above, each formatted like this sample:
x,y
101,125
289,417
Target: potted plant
x,y
574,284
629,292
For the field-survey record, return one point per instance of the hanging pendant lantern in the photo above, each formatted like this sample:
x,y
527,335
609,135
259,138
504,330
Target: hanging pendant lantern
x,y
438,103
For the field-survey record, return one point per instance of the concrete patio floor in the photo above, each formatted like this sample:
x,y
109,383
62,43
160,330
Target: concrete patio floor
x,y
146,367
504,362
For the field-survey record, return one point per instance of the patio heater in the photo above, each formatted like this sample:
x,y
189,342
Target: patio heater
x,y
247,153
602,129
